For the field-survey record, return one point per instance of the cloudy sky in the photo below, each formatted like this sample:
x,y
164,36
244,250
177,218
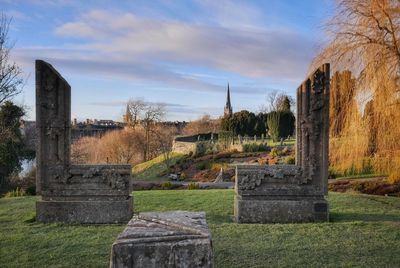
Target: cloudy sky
x,y
178,52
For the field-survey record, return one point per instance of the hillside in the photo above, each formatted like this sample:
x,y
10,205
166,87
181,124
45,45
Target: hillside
x,y
205,168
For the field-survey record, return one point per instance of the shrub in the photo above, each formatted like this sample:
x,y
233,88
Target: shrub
x,y
209,151
254,147
193,186
275,152
218,165
285,151
290,160
183,176
16,193
204,147
394,177
262,161
333,173
166,185
203,165
31,190
378,187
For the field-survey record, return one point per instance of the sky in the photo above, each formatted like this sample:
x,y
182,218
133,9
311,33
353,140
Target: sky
x,y
181,53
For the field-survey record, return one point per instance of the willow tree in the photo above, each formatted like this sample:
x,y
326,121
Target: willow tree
x,y
364,37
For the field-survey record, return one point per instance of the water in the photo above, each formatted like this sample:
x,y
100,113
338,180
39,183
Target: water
x,y
27,166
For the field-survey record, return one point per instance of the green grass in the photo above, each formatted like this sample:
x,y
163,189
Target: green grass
x,y
364,232
291,141
155,168
361,176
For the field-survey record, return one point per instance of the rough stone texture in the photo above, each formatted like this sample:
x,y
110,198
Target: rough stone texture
x,y
184,147
282,194
72,193
166,239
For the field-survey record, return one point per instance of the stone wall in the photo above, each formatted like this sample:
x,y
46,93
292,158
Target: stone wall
x,y
183,147
197,137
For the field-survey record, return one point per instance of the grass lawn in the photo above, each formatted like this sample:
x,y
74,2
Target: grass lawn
x,y
152,169
364,231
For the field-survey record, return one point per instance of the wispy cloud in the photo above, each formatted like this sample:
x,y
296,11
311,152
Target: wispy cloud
x,y
171,108
231,14
173,51
133,47
248,52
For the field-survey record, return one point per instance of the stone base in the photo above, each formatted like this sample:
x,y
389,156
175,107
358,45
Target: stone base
x,y
116,211
167,239
281,211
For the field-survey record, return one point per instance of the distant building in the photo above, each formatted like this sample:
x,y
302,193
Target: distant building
x,y
180,125
228,106
93,128
128,117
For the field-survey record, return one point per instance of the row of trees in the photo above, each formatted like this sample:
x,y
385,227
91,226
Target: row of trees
x,y
279,122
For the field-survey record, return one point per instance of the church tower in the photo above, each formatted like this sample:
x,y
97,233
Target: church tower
x,y
228,106
128,116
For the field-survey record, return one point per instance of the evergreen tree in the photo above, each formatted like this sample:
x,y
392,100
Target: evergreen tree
x,y
11,145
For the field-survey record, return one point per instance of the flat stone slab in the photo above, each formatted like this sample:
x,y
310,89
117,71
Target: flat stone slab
x,y
164,239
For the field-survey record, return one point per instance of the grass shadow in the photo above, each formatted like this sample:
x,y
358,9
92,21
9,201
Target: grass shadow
x,y
368,217
219,219
31,219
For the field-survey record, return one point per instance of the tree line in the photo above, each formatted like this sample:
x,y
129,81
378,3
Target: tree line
x,y
278,123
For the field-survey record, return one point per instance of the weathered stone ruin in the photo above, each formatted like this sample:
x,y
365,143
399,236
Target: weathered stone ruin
x,y
72,193
282,194
165,239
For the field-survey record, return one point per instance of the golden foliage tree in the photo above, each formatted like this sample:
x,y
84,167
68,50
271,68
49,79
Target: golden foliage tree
x,y
364,37
118,147
204,124
343,86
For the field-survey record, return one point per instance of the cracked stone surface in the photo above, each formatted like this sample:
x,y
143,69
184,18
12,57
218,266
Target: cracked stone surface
x,y
164,239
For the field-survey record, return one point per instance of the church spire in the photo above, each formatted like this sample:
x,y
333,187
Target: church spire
x,y
128,116
228,106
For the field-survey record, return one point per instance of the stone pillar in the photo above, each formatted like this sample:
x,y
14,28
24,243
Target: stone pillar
x,y
281,193
72,193
313,126
53,122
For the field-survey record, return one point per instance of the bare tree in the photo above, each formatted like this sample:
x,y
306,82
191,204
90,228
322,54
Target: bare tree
x,y
204,124
135,108
120,147
164,139
277,102
152,114
364,38
10,73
